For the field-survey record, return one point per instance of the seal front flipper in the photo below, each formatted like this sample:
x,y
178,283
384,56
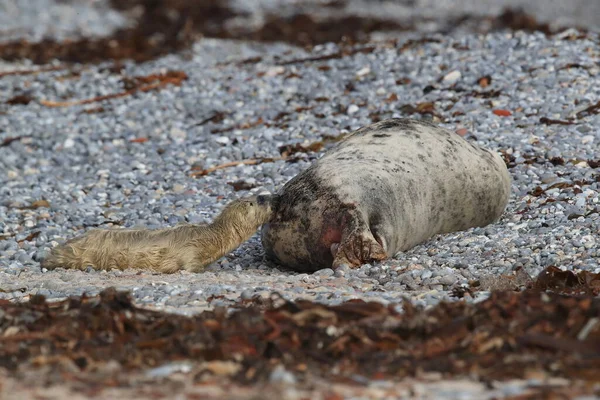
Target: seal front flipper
x,y
358,244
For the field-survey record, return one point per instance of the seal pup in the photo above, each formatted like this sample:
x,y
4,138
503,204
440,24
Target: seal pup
x,y
189,247
385,188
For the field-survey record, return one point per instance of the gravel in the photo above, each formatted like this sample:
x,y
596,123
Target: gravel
x,y
129,163
24,19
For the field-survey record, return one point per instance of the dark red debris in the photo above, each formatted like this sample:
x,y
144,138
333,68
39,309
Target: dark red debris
x,y
242,185
484,81
574,186
132,85
507,336
289,149
502,113
7,141
568,282
557,161
517,19
173,77
21,99
171,26
593,109
345,52
548,121
425,108
163,27
306,30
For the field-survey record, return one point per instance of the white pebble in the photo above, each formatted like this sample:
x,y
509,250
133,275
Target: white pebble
x,y
587,139
178,134
352,109
452,77
69,143
363,71
274,71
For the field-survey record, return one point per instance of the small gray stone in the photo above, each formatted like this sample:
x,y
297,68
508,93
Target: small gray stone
x,y
324,272
426,274
280,375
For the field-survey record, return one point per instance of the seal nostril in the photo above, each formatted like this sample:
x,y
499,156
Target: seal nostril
x,y
263,199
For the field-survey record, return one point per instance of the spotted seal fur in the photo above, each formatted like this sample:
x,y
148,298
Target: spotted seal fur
x,y
386,188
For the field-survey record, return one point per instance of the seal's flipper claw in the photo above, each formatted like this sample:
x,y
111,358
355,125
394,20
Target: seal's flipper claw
x,y
340,258
377,252
358,244
357,249
347,255
334,249
342,266
341,261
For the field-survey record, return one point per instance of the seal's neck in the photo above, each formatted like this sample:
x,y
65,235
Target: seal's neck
x,y
232,231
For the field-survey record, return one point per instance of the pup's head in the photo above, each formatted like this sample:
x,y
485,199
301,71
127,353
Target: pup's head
x,y
256,210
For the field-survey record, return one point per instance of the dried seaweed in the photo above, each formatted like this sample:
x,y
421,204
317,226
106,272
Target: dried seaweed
x,y
548,121
507,336
568,282
242,185
251,161
307,30
132,85
162,27
30,71
593,109
289,149
518,19
7,141
171,26
20,99
331,56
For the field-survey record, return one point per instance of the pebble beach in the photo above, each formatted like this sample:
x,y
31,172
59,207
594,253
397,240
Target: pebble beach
x,y
70,162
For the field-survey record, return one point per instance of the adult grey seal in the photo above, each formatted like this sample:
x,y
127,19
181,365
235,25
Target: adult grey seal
x,y
386,188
